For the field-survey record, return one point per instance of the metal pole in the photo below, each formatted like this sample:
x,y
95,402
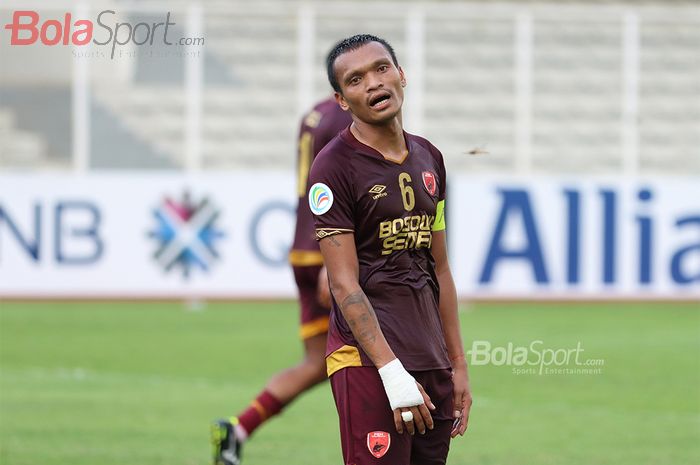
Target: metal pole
x,y
523,93
194,70
81,104
630,94
306,32
415,40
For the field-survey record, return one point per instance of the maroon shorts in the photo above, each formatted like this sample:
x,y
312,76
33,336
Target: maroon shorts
x,y
367,427
314,317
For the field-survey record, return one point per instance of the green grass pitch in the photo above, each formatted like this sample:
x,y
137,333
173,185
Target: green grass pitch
x,y
138,383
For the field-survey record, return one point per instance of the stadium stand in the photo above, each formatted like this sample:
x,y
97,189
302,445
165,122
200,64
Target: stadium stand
x,y
250,101
18,148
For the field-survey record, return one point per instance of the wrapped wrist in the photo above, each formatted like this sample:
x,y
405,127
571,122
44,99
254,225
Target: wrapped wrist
x,y
399,385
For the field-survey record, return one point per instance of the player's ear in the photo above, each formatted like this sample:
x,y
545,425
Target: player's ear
x,y
403,77
341,101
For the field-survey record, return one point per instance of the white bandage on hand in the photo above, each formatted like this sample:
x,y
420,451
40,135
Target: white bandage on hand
x,y
400,386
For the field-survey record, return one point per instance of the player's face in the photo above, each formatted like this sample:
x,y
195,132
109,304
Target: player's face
x,y
371,85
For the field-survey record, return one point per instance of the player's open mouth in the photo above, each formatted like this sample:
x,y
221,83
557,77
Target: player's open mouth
x,y
380,102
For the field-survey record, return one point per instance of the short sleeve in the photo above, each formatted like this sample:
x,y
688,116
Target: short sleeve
x,y
442,175
330,197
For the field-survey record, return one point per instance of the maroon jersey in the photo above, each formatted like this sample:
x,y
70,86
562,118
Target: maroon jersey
x,y
391,209
318,127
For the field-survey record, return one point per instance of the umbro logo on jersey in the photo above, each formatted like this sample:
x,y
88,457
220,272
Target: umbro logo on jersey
x,y
378,191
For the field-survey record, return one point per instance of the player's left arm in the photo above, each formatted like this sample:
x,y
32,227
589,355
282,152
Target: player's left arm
x,y
323,289
452,334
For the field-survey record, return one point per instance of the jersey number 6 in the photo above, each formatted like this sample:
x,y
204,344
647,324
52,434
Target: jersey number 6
x,y
409,200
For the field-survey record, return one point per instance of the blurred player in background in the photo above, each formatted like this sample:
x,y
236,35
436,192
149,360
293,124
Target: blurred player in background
x,y
318,127
395,354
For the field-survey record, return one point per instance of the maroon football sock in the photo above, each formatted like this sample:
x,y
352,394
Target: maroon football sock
x,y
264,407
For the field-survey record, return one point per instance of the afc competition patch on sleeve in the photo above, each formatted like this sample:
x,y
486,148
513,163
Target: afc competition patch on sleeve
x,y
439,224
320,198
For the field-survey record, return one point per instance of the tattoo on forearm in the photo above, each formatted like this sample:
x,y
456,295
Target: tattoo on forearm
x,y
334,242
354,299
364,325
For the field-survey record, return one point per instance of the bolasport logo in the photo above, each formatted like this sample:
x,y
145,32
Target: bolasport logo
x,y
29,28
536,358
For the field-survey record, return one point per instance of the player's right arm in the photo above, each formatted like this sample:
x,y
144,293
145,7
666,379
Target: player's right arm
x,y
340,257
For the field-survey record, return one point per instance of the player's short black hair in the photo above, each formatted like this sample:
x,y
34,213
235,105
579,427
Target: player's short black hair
x,y
349,44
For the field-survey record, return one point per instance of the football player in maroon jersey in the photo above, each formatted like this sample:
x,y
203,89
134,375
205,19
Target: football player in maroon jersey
x,y
395,354
318,127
